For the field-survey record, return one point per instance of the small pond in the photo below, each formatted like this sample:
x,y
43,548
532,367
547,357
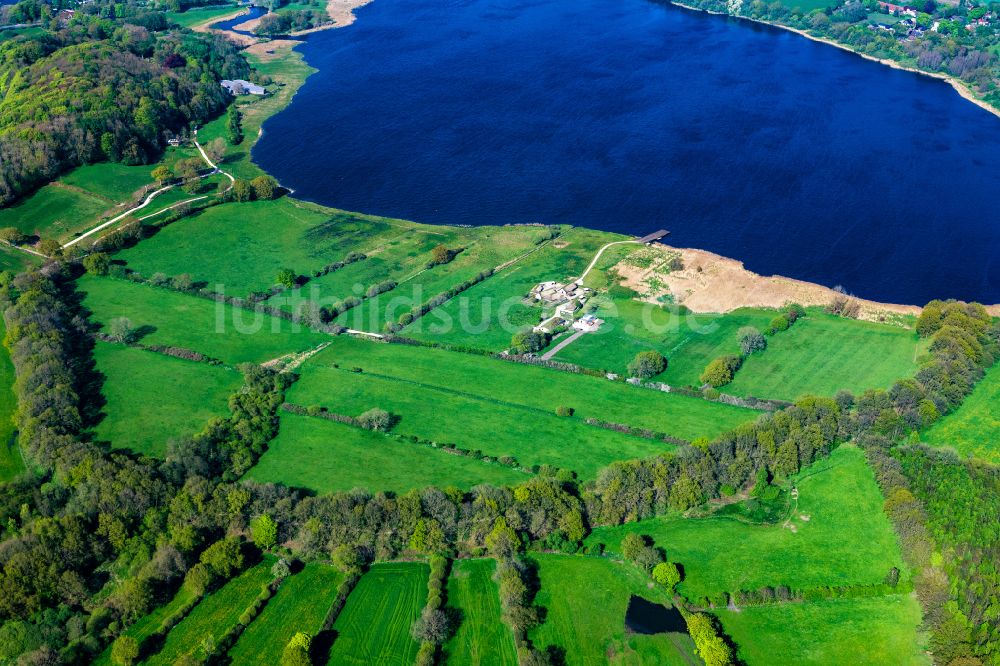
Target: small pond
x,y
645,617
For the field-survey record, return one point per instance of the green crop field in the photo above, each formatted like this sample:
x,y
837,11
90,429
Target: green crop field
x,y
482,639
841,537
218,330
374,626
974,428
688,340
11,463
585,600
494,310
152,398
822,354
301,604
214,615
327,457
148,624
881,630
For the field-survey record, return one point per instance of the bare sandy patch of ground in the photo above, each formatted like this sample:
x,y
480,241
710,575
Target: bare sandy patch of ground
x,y
273,49
713,283
249,25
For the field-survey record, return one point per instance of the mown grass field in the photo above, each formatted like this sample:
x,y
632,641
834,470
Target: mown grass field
x,y
327,457
688,340
374,626
17,261
482,638
110,180
882,630
488,314
846,540
974,428
55,211
585,600
11,463
525,385
532,436
822,354
152,398
148,624
214,615
301,604
215,329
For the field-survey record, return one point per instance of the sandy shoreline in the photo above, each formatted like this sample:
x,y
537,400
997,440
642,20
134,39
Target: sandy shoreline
x,y
960,86
711,283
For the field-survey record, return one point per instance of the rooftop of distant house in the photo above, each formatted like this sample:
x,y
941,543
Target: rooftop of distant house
x,y
241,87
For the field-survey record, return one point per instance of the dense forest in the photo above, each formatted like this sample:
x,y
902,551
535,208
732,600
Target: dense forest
x,y
95,88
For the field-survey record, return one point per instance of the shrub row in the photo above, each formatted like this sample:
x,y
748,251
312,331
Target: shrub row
x,y
432,627
781,594
638,432
166,350
337,265
419,311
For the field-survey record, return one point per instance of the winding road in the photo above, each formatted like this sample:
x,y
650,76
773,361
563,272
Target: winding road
x,y
597,256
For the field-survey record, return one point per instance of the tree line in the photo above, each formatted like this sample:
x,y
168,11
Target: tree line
x,y
96,538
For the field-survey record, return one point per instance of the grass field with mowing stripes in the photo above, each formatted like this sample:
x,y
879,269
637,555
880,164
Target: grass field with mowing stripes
x,y
301,604
152,398
324,456
822,354
220,331
841,537
482,639
974,428
585,600
215,615
374,626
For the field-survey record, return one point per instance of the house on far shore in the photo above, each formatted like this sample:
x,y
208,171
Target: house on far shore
x,y
897,10
241,87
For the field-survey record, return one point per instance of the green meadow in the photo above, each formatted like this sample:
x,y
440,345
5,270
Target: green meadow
x,y
486,315
688,340
482,639
197,15
881,630
15,260
214,615
840,537
150,623
822,354
300,604
11,463
55,211
111,180
215,329
374,625
325,456
585,600
503,382
152,398
974,428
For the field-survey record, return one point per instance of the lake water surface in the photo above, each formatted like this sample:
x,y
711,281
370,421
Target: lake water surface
x,y
627,115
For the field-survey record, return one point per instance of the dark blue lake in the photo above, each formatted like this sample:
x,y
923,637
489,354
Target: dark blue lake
x,y
626,115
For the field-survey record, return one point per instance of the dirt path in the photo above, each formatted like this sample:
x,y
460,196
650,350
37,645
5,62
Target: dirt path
x,y
597,256
152,195
559,347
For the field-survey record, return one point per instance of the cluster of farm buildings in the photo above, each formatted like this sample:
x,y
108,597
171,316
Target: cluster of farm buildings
x,y
568,299
913,27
